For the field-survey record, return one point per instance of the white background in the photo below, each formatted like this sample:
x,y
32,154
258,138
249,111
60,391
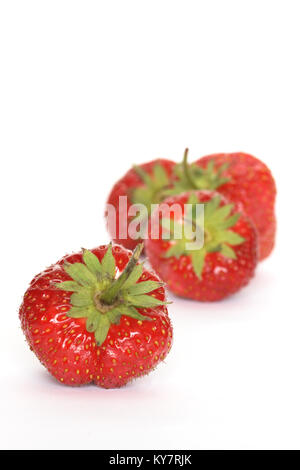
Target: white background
x,y
89,87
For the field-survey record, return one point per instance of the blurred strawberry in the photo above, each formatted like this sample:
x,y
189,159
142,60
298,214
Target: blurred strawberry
x,y
203,262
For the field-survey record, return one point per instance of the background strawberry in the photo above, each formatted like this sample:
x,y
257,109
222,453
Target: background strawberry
x,y
224,264
87,324
140,185
244,180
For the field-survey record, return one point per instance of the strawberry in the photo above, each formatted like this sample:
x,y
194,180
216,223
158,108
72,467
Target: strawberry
x,y
97,316
244,180
219,267
140,185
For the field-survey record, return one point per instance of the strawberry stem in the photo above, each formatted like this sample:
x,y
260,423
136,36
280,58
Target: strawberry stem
x,y
187,171
111,293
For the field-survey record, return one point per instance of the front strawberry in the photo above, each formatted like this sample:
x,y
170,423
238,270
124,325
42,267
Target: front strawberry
x,y
213,260
97,316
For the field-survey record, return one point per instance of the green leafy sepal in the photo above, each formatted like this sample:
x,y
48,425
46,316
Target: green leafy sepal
x,y
101,298
151,192
191,176
214,227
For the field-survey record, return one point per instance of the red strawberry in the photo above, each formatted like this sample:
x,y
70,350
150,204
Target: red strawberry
x,y
89,318
140,185
223,265
244,180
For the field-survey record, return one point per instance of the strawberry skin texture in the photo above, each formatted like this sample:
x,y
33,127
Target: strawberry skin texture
x,y
253,188
221,277
124,187
131,349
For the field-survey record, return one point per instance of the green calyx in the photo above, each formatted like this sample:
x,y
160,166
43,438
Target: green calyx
x,y
209,230
101,298
191,176
152,190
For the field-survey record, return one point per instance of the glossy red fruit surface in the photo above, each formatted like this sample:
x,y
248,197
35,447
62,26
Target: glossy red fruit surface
x,y
224,265
73,317
140,185
252,187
